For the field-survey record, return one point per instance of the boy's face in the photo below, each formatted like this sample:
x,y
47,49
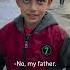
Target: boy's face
x,y
33,10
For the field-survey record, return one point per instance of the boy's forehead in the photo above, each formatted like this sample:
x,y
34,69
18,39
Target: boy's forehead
x,y
40,0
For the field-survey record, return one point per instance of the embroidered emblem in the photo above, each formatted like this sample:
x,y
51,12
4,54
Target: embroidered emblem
x,y
46,50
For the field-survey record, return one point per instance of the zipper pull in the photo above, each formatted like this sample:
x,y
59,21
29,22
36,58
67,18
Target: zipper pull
x,y
27,41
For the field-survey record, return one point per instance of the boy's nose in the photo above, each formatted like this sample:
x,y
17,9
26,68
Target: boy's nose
x,y
33,7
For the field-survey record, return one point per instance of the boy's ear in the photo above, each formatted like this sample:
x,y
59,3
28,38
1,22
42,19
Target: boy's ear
x,y
49,4
17,1
50,1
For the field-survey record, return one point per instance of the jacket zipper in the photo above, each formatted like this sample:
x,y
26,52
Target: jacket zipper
x,y
26,45
27,38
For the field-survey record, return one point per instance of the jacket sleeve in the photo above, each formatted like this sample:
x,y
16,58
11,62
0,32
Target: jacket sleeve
x,y
65,53
2,61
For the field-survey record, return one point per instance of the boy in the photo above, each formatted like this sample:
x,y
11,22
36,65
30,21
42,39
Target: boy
x,y
33,41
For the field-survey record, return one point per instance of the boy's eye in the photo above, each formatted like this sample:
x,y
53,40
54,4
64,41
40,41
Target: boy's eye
x,y
40,2
26,1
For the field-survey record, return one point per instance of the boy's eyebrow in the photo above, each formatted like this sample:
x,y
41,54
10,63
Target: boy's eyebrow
x,y
41,0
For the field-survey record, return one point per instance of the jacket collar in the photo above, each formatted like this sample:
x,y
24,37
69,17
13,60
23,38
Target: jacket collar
x,y
46,21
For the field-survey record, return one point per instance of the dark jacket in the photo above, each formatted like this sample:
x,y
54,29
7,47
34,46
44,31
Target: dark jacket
x,y
47,42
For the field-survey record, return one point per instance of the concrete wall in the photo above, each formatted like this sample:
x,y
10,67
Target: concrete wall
x,y
8,11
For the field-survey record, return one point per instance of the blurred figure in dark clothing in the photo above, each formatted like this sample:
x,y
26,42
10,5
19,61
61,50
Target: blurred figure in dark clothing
x,y
62,2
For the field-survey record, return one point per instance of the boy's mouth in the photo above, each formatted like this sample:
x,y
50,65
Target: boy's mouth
x,y
33,16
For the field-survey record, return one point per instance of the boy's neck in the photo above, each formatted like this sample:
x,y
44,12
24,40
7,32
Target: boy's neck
x,y
30,25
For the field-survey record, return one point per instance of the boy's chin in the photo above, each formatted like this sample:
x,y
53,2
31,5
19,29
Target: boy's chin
x,y
33,21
